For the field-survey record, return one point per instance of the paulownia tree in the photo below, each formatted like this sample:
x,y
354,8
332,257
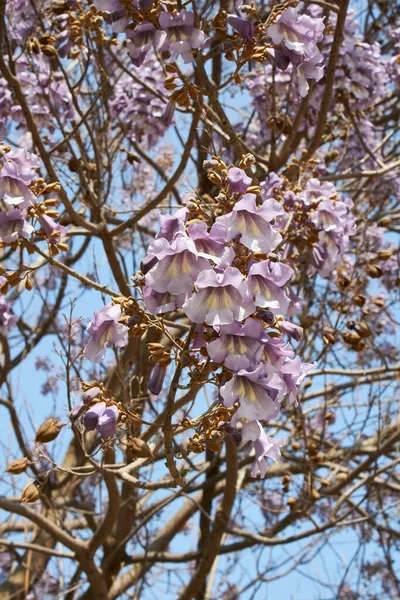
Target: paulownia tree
x,y
199,214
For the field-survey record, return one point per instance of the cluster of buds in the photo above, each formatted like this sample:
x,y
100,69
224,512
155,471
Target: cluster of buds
x,y
159,354
81,22
98,410
45,214
209,429
44,43
14,279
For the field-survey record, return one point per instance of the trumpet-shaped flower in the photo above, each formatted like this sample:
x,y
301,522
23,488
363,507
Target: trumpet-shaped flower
x,y
253,224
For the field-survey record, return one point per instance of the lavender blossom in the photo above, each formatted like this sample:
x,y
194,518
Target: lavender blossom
x,y
105,330
209,243
258,393
54,232
156,379
244,28
264,447
238,346
107,421
253,224
238,180
178,266
13,226
16,174
182,36
218,300
266,281
7,318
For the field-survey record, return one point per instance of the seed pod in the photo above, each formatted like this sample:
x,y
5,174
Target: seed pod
x,y
385,222
31,493
49,51
315,495
140,448
48,431
19,465
341,477
384,254
374,271
296,446
28,284
359,300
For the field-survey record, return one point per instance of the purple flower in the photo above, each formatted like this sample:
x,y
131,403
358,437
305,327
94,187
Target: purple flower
x,y
238,346
16,174
258,393
272,182
76,412
329,215
209,243
253,224
170,225
265,283
7,319
161,302
101,418
311,68
178,265
244,28
134,105
13,225
264,446
156,379
182,36
293,373
298,36
90,395
105,330
292,330
218,300
276,351
141,39
54,232
238,180
92,415
107,421
295,31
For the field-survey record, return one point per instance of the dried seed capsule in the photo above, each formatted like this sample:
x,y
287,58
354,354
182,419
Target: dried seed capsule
x,y
19,465
48,431
31,493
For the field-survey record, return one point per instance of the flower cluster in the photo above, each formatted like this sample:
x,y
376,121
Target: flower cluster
x,y
136,105
220,275
98,410
321,222
296,37
18,202
16,174
174,33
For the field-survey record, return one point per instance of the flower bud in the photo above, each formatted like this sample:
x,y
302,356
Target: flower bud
x,y
31,493
48,431
19,465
